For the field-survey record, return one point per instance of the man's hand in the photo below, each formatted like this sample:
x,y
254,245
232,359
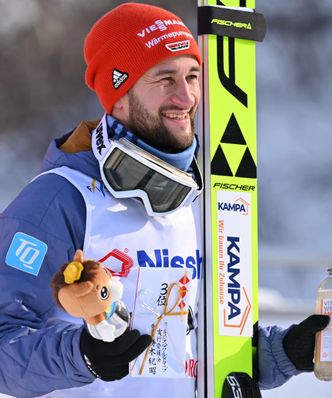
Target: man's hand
x,y
299,342
110,361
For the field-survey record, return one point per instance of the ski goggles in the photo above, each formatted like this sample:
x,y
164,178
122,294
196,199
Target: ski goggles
x,y
129,171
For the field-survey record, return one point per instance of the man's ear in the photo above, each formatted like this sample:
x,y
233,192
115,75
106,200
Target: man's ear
x,y
120,109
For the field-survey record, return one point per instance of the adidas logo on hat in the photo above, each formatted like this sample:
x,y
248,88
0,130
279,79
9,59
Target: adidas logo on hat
x,y
118,78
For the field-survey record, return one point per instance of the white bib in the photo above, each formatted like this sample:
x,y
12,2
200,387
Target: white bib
x,y
159,260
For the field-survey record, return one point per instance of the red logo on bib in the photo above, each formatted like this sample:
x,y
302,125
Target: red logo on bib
x,y
117,262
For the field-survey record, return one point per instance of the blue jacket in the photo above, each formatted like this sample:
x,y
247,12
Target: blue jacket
x,y
43,226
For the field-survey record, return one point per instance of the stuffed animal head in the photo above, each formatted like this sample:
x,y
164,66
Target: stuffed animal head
x,y
86,289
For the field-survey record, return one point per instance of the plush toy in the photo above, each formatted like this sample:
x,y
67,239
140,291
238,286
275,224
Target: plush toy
x,y
86,289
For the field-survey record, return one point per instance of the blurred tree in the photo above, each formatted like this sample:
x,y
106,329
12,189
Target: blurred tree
x,y
42,65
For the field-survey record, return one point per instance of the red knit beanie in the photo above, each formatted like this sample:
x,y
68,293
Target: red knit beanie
x,y
126,42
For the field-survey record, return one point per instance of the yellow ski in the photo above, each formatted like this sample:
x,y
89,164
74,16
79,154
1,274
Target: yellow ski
x,y
228,33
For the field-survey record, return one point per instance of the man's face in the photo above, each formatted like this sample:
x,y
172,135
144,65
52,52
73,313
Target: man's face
x,y
161,106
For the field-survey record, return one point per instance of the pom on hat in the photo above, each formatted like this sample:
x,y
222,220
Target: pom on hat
x,y
128,41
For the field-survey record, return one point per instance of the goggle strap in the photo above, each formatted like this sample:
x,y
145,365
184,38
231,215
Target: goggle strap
x,y
100,140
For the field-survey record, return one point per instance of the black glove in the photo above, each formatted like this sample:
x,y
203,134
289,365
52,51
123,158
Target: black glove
x,y
110,361
299,342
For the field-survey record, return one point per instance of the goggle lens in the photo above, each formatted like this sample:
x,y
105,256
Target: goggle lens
x,y
123,172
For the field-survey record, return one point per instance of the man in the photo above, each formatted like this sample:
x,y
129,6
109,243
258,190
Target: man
x,y
124,191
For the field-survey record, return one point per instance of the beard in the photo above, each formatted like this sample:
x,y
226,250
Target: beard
x,y
152,130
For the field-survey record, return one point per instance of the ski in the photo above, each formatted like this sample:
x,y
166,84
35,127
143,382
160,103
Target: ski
x,y
228,320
